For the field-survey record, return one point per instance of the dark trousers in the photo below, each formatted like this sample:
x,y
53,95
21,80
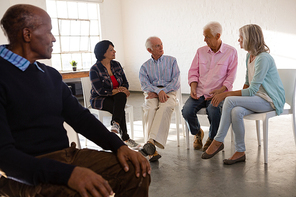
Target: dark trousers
x,y
104,163
115,105
192,106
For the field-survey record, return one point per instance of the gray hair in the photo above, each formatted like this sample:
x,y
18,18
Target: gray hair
x,y
214,27
253,39
148,43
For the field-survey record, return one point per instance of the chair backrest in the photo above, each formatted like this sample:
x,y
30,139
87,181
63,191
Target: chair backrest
x,y
86,88
288,77
72,135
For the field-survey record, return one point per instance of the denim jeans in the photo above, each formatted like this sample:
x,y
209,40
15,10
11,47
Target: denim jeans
x,y
234,110
192,106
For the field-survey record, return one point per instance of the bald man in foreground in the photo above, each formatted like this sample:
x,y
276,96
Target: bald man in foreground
x,y
36,159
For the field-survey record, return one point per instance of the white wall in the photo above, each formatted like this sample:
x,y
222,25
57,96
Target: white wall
x,y
3,6
179,24
128,23
111,26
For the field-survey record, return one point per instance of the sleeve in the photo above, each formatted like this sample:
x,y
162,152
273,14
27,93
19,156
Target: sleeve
x,y
193,73
22,167
101,83
261,69
231,71
30,170
146,85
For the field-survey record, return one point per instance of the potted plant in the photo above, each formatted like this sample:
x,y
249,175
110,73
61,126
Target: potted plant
x,y
74,65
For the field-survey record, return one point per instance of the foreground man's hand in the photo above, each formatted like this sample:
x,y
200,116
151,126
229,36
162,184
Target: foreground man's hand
x,y
140,163
87,181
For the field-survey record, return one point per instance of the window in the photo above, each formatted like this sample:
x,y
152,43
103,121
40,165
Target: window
x,y
76,27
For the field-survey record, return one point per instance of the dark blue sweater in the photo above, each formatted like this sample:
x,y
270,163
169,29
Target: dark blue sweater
x,y
33,107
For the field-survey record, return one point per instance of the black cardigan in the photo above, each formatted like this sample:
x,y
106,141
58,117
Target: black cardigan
x,y
33,107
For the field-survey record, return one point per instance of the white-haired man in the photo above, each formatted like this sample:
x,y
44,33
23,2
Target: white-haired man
x,y
212,71
159,77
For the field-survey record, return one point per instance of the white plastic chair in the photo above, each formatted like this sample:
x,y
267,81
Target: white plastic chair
x,y
178,117
86,88
72,135
288,77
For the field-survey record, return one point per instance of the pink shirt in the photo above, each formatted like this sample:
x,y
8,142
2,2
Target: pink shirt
x,y
213,70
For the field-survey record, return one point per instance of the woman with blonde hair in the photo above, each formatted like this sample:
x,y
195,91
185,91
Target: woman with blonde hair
x,y
263,91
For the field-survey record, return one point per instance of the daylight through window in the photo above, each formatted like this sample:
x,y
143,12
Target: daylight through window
x,y
76,27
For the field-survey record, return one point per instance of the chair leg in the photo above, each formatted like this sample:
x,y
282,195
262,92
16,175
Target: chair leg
x,y
265,140
183,126
144,126
187,136
294,126
258,132
131,120
177,125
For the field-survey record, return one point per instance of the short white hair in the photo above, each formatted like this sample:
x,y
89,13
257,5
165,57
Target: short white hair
x,y
148,43
214,27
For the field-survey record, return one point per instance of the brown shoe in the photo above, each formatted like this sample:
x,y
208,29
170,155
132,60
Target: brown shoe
x,y
197,144
205,155
230,161
207,144
154,157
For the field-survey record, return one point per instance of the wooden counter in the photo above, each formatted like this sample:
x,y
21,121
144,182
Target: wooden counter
x,y
74,74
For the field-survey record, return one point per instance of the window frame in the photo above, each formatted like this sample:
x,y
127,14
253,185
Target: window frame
x,y
62,55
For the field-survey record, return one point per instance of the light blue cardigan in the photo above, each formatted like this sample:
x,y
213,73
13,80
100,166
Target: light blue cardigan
x,y
266,74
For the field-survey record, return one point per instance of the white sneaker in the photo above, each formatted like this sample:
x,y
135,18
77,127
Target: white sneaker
x,y
132,144
115,127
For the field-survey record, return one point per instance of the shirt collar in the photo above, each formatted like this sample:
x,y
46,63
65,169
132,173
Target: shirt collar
x,y
17,60
159,59
221,49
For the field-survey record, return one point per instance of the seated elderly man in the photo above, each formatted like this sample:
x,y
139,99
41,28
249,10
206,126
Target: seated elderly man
x,y
212,71
159,78
36,159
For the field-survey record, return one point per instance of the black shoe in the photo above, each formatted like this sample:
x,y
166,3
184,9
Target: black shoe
x,y
148,149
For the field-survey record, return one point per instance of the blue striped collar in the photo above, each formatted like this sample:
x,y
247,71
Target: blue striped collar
x,y
159,59
18,61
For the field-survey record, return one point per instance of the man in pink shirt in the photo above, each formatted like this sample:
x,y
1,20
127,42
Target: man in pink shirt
x,y
212,71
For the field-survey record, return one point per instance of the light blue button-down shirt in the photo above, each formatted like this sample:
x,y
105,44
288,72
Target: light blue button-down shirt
x,y
18,61
162,72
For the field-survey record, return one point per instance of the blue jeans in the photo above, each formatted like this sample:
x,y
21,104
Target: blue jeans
x,y
234,110
192,106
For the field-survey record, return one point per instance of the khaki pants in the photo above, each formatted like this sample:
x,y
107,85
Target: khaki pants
x,y
104,163
157,116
